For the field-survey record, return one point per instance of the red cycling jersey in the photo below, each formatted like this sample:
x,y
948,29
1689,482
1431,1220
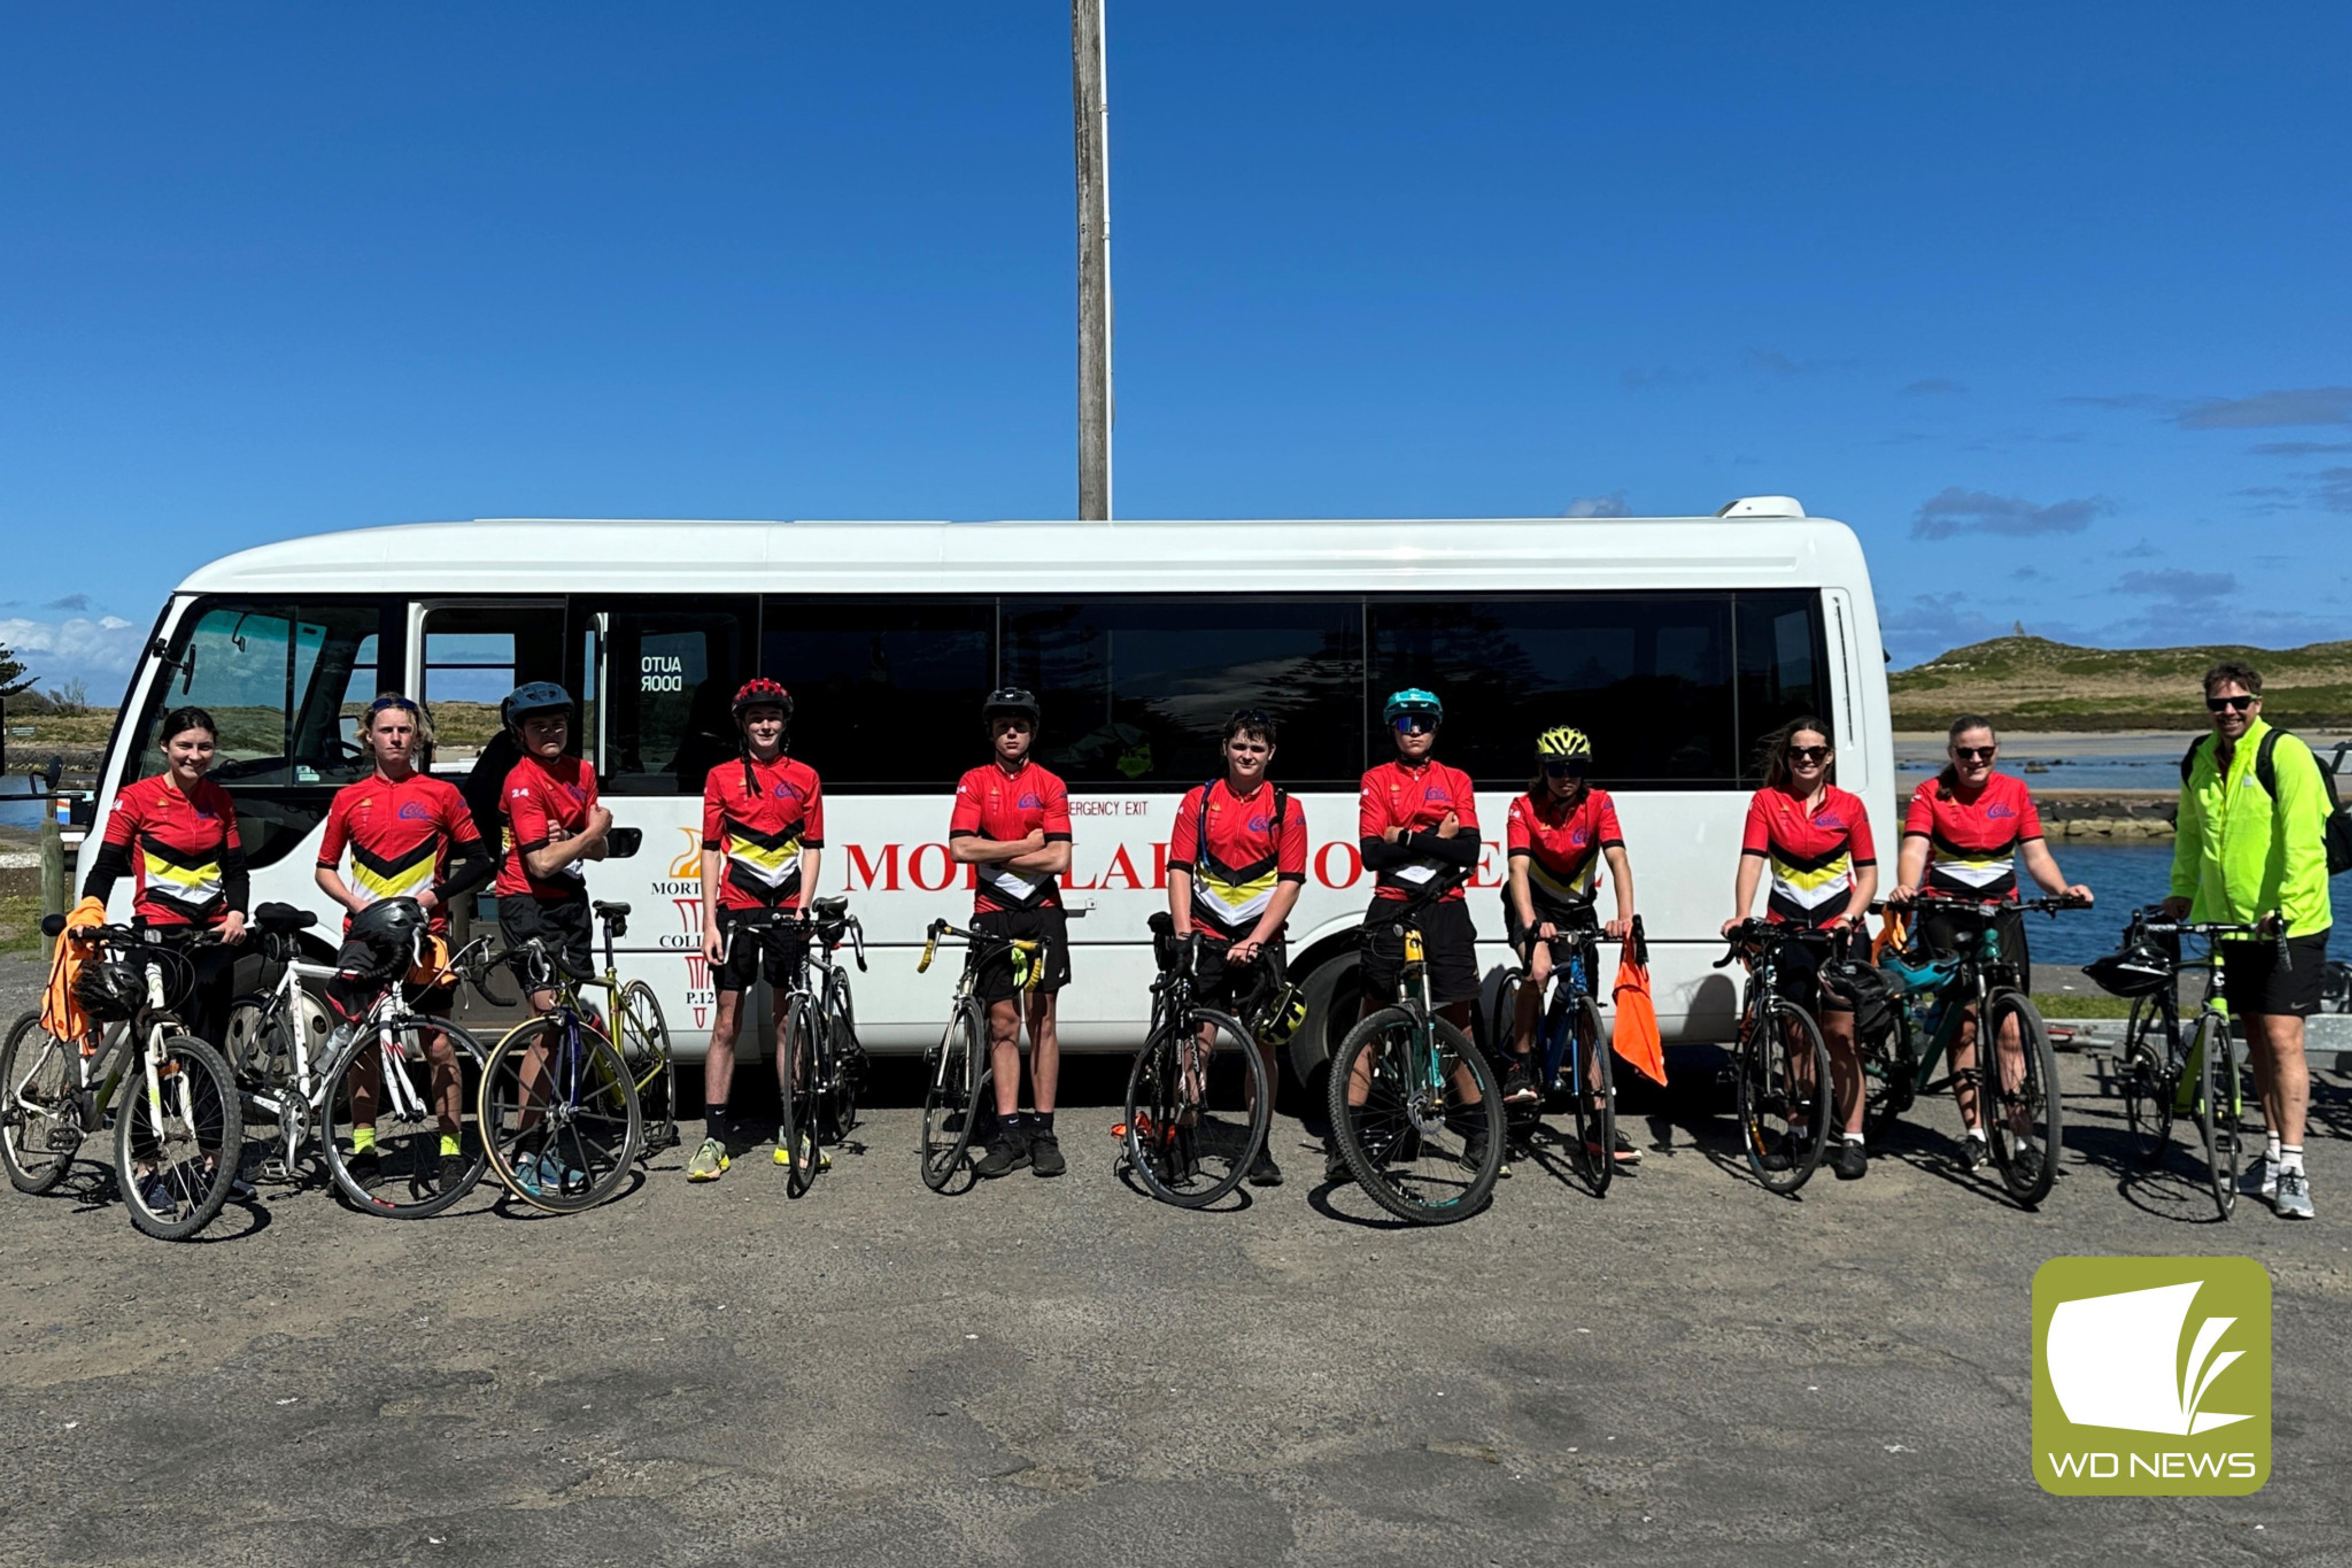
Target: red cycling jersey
x,y
1005,808
537,798
1812,856
1233,875
1972,841
178,844
1562,841
761,829
1414,796
400,836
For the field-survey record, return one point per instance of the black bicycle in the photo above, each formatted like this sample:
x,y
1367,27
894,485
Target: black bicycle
x,y
820,1058
1415,1107
1197,1068
1780,1062
1572,1054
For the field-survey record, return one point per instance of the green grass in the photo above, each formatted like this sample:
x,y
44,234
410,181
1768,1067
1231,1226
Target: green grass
x,y
2029,683
2053,1005
20,924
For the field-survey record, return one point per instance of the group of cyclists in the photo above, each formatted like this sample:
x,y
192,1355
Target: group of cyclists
x,y
1237,861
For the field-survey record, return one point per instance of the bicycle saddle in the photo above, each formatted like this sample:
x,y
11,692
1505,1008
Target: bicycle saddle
x,y
834,906
281,918
620,912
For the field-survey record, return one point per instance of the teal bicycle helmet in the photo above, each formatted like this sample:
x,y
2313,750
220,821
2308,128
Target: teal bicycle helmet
x,y
1412,699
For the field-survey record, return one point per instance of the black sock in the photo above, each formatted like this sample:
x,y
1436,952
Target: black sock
x,y
714,1122
1043,1120
1010,1121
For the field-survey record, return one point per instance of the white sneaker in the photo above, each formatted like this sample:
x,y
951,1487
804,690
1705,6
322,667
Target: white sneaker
x,y
2293,1200
2269,1172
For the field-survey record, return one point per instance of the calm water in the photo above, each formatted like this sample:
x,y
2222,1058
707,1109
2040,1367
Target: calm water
x,y
2125,876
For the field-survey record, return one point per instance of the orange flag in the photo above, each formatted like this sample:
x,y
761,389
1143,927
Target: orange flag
x,y
1635,1036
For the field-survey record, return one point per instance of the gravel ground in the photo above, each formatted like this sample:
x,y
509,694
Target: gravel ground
x,y
1690,1371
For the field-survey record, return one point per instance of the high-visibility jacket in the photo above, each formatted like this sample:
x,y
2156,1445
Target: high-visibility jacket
x,y
2237,854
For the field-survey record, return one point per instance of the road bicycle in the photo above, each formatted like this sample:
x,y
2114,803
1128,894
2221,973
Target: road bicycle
x,y
956,1070
1182,1151
1426,1139
298,1072
558,1107
2163,1077
820,1058
1781,1063
1572,1055
1934,1000
179,1131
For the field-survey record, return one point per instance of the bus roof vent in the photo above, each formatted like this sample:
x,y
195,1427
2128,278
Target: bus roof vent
x,y
1764,506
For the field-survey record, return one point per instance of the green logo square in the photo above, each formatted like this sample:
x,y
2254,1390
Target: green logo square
x,y
2151,1376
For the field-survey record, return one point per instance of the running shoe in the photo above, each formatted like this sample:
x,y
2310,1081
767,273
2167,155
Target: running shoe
x,y
1519,1085
2267,1174
156,1196
1475,1147
453,1172
365,1167
709,1162
1975,1153
1045,1154
1263,1171
824,1159
1337,1171
1624,1153
2293,1200
1007,1152
1852,1161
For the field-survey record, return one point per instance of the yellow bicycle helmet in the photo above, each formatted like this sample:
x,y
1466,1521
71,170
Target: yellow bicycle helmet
x,y
1563,742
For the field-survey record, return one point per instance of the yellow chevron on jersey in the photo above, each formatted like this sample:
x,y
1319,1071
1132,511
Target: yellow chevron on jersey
x,y
765,865
1576,888
401,875
190,879
1992,872
1231,897
1811,883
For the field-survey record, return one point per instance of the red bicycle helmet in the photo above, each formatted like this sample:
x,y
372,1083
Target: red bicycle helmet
x,y
760,692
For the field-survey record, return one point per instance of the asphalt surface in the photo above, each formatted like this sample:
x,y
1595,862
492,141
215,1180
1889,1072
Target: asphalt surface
x,y
1065,1371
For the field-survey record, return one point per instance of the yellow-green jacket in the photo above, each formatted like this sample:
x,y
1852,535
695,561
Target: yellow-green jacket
x,y
2237,853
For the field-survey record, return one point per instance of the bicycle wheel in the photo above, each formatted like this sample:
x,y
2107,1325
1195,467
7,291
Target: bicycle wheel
x,y
846,1070
2151,1075
951,1100
1784,1097
645,1048
407,1130
176,1150
2218,1110
1194,1124
1418,1144
1596,1109
800,1066
1889,1073
2020,1096
558,1113
40,1127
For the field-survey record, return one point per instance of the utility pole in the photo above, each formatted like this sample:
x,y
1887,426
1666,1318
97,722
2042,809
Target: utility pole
x,y
1094,260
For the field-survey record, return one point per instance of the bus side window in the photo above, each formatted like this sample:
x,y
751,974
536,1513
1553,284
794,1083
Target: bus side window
x,y
1783,667
886,692
665,688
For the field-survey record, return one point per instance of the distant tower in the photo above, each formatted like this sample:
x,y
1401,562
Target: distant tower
x,y
2017,628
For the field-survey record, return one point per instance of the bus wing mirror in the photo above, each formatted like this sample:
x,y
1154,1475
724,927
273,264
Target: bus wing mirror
x,y
621,842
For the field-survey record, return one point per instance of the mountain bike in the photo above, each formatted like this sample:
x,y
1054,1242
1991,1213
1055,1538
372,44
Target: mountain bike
x,y
1182,1152
1935,998
1572,1055
1426,1141
296,1071
956,1070
179,1131
2163,1078
821,1059
1780,1062
558,1108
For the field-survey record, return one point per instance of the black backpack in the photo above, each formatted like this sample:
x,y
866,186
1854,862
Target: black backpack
x,y
2335,836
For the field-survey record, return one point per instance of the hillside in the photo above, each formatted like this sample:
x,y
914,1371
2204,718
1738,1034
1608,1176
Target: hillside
x,y
2033,683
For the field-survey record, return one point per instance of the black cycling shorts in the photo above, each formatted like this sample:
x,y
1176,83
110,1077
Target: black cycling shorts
x,y
751,954
1949,931
1802,981
1449,946
1231,986
1050,925
2253,982
561,923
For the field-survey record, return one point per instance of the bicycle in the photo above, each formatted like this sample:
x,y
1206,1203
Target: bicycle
x,y
2161,1079
306,1087
1431,1100
821,1060
1780,1062
1934,999
1571,1053
558,1107
1183,1154
957,1069
179,1131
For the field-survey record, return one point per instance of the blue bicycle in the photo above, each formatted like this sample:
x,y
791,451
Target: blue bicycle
x,y
1571,1052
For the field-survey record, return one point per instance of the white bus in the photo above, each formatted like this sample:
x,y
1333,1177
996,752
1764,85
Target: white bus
x,y
1674,643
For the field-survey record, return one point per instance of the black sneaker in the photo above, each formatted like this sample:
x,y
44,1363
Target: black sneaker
x,y
365,1168
1975,1153
1045,1154
1852,1161
1625,1153
453,1172
1774,1151
1475,1147
1007,1152
1337,1171
1519,1085
1263,1171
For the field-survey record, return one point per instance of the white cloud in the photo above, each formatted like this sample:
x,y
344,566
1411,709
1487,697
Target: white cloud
x,y
78,646
1611,505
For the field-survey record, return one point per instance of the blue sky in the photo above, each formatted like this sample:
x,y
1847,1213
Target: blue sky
x,y
2049,302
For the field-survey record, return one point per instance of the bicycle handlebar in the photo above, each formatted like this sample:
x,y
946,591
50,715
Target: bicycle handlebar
x,y
2225,931
1938,897
979,939
1752,933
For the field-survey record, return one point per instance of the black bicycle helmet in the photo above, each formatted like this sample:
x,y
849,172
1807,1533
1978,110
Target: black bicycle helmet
x,y
391,929
533,696
111,990
2140,968
1015,701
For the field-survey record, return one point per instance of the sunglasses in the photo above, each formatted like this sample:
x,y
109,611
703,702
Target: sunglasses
x,y
382,703
1809,754
1415,724
1974,753
1564,768
2236,704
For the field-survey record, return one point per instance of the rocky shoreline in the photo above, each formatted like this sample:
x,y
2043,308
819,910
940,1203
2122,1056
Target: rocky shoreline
x,y
2108,814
